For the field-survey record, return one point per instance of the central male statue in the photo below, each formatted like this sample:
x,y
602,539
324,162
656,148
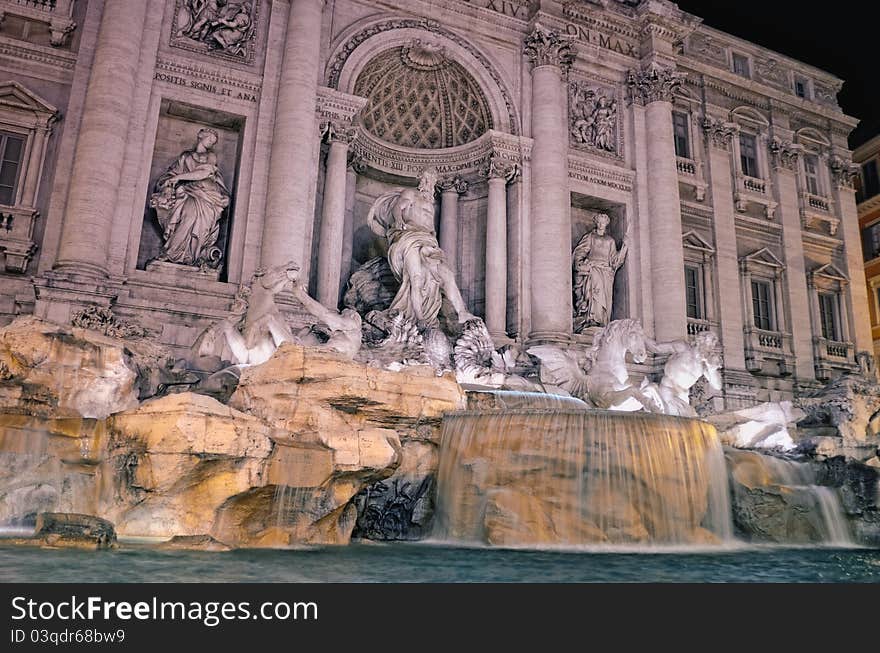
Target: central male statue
x,y
405,218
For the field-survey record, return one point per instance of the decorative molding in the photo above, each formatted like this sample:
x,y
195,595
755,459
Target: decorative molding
x,y
719,133
655,84
17,244
455,183
336,112
469,158
334,70
356,163
784,154
706,48
772,72
227,33
501,168
617,179
545,47
844,172
177,68
29,54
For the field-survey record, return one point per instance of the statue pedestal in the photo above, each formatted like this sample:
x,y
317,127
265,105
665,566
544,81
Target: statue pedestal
x,y
187,271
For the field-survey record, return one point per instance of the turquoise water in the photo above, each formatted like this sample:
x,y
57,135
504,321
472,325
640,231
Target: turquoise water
x,y
432,563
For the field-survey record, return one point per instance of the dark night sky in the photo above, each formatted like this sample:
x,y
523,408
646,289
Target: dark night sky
x,y
841,39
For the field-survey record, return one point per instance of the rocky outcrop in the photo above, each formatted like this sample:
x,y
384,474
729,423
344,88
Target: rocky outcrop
x,y
305,433
74,531
851,406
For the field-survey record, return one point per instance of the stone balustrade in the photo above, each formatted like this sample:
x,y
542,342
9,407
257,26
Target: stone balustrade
x,y
57,14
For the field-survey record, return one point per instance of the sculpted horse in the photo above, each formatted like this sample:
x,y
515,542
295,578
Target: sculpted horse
x,y
602,379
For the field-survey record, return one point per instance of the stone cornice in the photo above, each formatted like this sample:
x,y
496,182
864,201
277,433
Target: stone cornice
x,y
469,158
763,96
57,64
869,205
589,17
219,75
338,107
618,179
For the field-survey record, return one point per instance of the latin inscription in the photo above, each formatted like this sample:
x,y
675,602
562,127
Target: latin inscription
x,y
602,40
504,7
207,87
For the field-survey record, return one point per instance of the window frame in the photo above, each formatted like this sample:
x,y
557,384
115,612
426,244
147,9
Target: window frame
x,y
20,163
829,309
757,301
757,161
688,140
867,191
805,82
698,293
746,59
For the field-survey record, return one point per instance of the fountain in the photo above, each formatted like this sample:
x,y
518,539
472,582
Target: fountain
x,y
568,477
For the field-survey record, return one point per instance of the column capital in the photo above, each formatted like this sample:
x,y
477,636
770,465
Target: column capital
x,y
453,184
337,131
784,154
356,162
501,168
843,171
719,133
545,47
654,84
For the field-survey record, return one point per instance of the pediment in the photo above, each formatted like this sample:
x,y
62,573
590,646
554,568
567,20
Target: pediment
x,y
763,257
693,240
15,96
830,271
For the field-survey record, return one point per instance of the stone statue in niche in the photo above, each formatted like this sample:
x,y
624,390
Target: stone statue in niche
x,y
595,261
593,116
190,198
217,25
405,218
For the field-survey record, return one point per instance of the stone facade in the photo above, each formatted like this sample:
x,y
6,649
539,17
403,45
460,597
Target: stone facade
x,y
867,156
723,165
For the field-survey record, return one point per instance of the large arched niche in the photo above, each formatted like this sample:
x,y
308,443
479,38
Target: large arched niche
x,y
362,43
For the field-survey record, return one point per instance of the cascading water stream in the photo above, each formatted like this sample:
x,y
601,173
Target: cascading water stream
x,y
555,474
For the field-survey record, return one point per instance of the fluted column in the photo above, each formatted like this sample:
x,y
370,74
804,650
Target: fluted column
x,y
100,148
719,136
450,189
550,209
499,173
843,173
289,201
333,215
653,89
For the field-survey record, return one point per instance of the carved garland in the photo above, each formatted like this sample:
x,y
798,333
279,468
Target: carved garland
x,y
784,154
843,172
335,70
720,133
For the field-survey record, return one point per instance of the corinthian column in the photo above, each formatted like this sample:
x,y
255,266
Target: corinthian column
x,y
653,89
100,149
289,201
333,215
450,189
499,173
551,56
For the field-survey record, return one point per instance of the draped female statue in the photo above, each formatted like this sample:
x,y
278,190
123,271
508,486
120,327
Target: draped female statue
x,y
189,199
595,261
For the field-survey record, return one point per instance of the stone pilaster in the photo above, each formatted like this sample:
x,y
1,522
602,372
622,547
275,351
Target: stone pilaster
x,y
843,173
499,173
551,56
651,90
290,198
718,138
332,228
799,321
100,149
450,189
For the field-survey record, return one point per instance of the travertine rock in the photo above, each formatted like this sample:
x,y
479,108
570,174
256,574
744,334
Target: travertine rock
x,y
64,372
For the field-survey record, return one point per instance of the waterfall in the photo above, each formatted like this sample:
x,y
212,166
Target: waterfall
x,y
806,511
548,476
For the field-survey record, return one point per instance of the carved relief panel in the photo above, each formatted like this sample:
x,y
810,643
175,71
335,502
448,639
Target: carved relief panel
x,y
222,28
593,118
